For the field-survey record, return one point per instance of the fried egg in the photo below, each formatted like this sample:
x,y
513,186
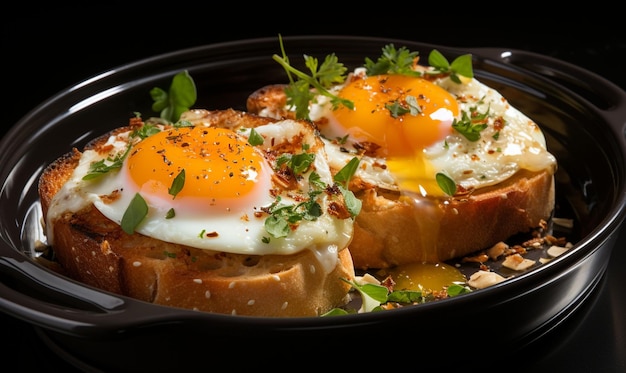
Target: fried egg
x,y
406,151
210,188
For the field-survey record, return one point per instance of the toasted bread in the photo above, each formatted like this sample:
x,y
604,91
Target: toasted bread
x,y
96,251
393,229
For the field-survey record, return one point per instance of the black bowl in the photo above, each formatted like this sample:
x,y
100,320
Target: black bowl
x,y
581,114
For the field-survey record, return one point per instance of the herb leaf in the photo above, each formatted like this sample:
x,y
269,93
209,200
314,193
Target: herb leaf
x,y
345,174
342,178
134,214
100,167
178,99
446,183
461,66
255,138
393,61
322,77
470,125
298,163
177,183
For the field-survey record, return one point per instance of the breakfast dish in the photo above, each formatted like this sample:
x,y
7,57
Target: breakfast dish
x,y
322,188
240,217
447,165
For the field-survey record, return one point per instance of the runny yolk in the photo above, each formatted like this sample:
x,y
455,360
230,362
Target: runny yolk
x,y
402,116
424,276
399,134
218,163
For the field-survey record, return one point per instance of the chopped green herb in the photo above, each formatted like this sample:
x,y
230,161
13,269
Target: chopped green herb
x,y
134,214
466,126
393,61
446,183
100,167
255,138
177,184
283,217
342,178
146,130
170,214
298,163
398,108
345,174
316,181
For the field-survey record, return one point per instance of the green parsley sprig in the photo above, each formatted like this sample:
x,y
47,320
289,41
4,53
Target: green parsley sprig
x,y
471,124
393,61
322,77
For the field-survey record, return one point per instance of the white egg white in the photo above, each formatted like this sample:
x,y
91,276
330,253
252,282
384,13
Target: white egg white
x,y
496,156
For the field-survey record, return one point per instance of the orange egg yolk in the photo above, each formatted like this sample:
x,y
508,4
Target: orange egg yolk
x,y
402,115
217,163
399,134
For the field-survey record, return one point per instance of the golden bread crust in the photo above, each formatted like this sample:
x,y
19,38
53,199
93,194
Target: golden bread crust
x,y
391,230
96,251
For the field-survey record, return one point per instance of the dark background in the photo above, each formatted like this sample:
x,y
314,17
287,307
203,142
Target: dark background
x,y
48,48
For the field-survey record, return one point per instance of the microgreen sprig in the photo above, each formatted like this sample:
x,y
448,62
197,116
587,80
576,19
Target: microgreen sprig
x,y
322,77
